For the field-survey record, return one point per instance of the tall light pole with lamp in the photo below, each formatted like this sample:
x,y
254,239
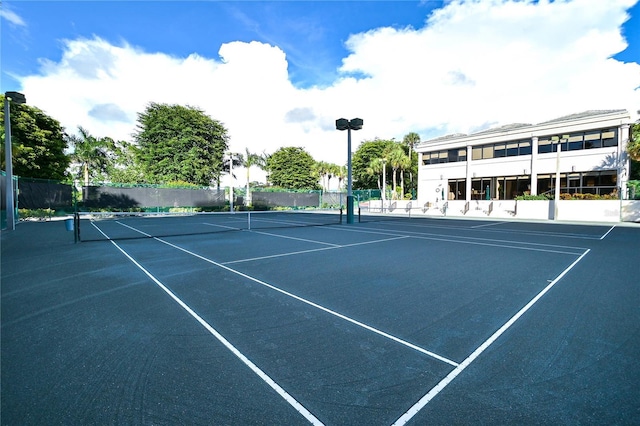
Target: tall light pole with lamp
x,y
17,98
348,125
231,155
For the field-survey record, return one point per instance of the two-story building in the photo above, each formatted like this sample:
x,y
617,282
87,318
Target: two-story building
x,y
518,159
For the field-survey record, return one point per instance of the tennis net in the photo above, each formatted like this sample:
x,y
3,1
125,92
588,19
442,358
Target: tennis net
x,y
120,226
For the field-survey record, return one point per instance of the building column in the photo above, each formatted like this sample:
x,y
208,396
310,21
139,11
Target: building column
x,y
533,168
467,195
623,160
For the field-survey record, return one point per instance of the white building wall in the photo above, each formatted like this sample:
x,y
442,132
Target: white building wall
x,y
433,178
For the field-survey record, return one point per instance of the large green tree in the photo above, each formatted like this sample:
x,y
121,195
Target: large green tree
x,y
37,143
180,143
293,168
361,161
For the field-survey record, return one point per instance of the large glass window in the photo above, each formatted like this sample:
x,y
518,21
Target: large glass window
x,y
499,150
476,153
487,151
457,189
544,145
575,142
600,183
609,138
525,148
592,140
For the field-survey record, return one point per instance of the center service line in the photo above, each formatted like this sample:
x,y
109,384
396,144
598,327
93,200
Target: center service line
x,y
315,305
408,415
286,396
308,302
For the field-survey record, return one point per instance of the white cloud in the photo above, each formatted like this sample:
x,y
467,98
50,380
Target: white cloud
x,y
474,62
12,17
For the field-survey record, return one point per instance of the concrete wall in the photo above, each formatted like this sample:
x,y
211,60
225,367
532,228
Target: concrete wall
x,y
568,210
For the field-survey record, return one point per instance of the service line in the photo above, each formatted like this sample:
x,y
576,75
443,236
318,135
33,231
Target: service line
x,y
409,414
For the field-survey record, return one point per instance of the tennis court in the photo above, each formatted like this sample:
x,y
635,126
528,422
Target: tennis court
x,y
307,320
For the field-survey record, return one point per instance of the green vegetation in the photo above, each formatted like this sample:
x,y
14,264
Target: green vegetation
x,y
177,143
37,143
180,146
292,167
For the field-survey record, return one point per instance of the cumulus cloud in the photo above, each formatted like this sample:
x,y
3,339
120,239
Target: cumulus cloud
x,y
472,63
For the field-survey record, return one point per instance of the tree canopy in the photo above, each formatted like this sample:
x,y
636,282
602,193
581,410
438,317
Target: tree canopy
x,y
292,167
180,143
37,143
361,161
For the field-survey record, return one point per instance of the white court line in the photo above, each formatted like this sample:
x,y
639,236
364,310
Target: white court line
x,y
308,302
315,305
465,240
294,253
499,231
409,414
294,238
607,233
268,380
488,224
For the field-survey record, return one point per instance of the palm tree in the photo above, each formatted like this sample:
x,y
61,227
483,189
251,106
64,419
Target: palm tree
x,y
411,140
341,174
374,168
332,170
252,159
398,160
322,168
91,153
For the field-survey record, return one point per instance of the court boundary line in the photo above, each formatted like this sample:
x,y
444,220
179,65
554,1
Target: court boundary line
x,y
303,300
463,240
607,233
487,225
497,231
433,392
226,343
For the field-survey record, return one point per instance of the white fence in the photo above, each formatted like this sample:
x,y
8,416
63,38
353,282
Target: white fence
x,y
567,210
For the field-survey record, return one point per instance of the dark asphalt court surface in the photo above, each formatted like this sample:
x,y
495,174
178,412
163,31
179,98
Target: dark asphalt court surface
x,y
422,321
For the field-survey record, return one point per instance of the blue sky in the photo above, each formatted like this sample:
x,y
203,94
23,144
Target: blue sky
x,y
292,67
312,33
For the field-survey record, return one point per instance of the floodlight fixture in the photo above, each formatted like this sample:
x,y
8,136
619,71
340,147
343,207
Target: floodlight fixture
x,y
353,124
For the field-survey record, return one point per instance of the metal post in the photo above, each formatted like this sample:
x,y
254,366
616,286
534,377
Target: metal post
x,y
231,182
349,188
11,223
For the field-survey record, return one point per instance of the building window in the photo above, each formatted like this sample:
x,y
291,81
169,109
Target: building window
x,y
457,189
476,153
609,138
592,140
576,142
598,183
524,148
544,145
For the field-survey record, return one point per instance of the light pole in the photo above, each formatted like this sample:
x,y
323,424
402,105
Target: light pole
x,y
231,155
348,125
17,98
